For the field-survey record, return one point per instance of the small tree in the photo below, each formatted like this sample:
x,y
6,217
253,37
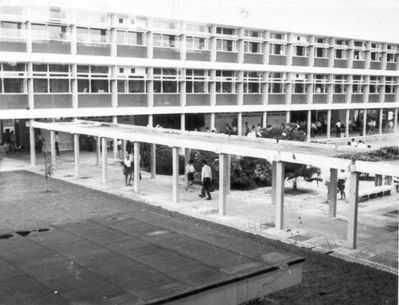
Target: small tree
x,y
48,168
293,171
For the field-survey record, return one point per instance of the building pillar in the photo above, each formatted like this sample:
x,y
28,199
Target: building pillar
x,y
239,124
288,117
364,131
76,153
212,122
347,115
328,124
332,193
153,160
353,210
74,86
264,119
115,141
98,152
222,183
395,119
228,187
175,178
240,88
104,160
136,174
265,88
183,122
150,120
123,149
32,144
187,154
309,125
380,121
52,147
377,180
278,192
265,48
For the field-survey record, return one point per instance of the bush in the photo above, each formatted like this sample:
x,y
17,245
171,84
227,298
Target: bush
x,y
384,153
163,159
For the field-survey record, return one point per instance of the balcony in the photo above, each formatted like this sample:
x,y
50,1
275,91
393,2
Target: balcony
x,y
320,62
198,99
14,101
277,59
299,98
198,55
131,51
300,61
98,49
92,100
253,58
51,46
226,56
167,100
253,99
12,45
339,98
375,65
320,98
132,100
276,99
357,98
226,99
358,64
51,101
166,53
389,98
374,97
340,63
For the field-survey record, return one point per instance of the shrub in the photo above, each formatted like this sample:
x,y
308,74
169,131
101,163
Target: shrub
x,y
384,153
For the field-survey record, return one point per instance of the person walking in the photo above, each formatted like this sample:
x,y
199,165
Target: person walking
x,y
341,184
206,178
128,169
57,143
190,170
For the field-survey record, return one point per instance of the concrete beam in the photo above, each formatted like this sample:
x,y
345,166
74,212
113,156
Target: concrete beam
x,y
104,160
353,210
52,147
153,160
175,178
76,153
223,160
136,174
32,144
278,192
332,193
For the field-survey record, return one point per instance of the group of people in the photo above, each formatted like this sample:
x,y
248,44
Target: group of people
x,y
9,141
359,144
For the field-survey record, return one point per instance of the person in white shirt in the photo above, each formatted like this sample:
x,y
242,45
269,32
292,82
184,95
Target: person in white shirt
x,y
128,169
190,170
206,178
57,143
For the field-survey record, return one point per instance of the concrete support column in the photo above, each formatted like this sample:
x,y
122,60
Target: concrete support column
x,y
240,45
212,88
332,193
264,119
183,87
187,154
364,131
265,48
98,152
32,144
150,120
76,153
329,124
311,51
74,86
183,44
288,89
222,183
377,180
347,115
124,149
278,192
240,88
136,174
395,121
104,160
381,113
182,121
28,28
265,88
309,125
175,178
228,185
239,124
73,38
29,87
150,43
212,43
353,209
288,117
52,146
153,160
115,141
212,122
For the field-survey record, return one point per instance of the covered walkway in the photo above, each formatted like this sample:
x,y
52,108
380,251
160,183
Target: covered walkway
x,y
320,155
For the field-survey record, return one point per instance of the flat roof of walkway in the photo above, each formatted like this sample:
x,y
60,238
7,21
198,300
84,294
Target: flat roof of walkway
x,y
321,155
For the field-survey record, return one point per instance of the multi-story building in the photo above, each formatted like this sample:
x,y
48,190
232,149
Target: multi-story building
x,y
60,64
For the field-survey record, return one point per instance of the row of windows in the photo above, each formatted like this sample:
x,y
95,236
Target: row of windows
x,y
55,85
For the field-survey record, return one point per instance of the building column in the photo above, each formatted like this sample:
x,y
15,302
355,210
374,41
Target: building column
x,y
52,147
395,119
228,187
240,88
347,115
212,121
115,141
309,125
124,149
104,159
136,174
223,158
332,193
353,209
381,113
32,144
153,160
328,124
175,178
182,121
288,117
98,152
364,131
278,192
187,154
239,124
377,180
264,119
265,88
76,153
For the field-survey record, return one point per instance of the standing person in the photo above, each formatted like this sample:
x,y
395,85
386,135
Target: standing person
x,y
338,126
190,170
206,178
128,169
57,143
13,145
247,130
341,184
40,142
119,144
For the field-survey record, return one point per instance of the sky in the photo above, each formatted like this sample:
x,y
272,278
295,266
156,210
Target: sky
x,y
363,19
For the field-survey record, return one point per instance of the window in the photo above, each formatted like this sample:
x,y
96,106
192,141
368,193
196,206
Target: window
x,y
359,44
160,24
320,83
131,38
99,85
276,82
357,55
200,28
299,88
226,45
57,32
277,49
10,29
277,36
225,81
321,53
92,35
252,82
59,85
252,47
341,42
196,43
339,84
300,51
39,31
13,85
166,41
14,67
391,57
340,54
166,80
250,33
322,40
375,56
196,81
225,31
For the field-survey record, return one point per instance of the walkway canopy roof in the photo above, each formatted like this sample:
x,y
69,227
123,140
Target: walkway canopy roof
x,y
320,155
